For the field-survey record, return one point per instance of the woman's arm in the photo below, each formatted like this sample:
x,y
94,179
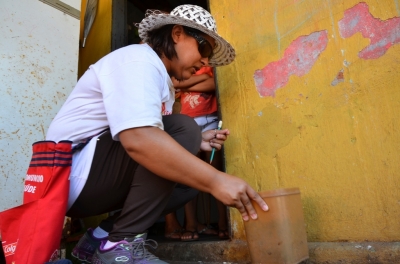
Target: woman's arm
x,y
158,152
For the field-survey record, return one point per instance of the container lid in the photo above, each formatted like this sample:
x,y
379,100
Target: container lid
x,y
279,192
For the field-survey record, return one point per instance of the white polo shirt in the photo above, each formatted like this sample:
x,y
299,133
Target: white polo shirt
x,y
128,88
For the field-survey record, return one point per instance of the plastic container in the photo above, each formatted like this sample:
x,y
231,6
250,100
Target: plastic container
x,y
278,236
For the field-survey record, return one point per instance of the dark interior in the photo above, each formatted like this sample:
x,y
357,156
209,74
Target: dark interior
x,y
165,4
137,8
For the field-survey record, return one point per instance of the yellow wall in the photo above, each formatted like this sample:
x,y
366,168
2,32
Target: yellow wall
x,y
338,143
98,42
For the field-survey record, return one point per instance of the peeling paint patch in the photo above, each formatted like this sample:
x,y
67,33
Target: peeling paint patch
x,y
339,78
298,59
382,34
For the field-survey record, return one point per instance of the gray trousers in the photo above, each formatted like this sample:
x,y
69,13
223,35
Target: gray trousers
x,y
117,182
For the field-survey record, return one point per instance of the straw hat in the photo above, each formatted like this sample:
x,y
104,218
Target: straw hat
x,y
191,16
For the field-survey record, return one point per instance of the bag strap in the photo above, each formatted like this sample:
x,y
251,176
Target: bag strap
x,y
82,143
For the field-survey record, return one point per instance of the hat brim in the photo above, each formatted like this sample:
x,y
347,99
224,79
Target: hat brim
x,y
224,53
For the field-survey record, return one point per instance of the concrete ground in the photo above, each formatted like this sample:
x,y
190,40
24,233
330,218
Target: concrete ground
x,y
319,252
212,251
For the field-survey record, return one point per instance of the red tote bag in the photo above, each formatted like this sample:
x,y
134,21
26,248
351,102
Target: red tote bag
x,y
31,232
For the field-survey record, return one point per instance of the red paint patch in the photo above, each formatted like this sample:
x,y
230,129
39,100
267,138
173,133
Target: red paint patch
x,y
298,59
339,78
383,34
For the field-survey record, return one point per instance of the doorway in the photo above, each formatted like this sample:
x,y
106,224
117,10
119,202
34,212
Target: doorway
x,y
128,12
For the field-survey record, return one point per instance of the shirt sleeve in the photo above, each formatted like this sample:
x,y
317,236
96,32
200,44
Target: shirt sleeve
x,y
205,70
132,95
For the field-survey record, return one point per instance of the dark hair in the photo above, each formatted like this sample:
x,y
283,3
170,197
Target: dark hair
x,y
161,40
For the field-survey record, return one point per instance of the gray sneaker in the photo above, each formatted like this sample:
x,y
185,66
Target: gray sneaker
x,y
126,252
86,246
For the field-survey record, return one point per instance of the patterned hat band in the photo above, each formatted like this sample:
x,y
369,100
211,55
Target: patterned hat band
x,y
191,16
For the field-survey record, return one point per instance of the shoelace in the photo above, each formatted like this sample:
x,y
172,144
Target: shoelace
x,y
140,251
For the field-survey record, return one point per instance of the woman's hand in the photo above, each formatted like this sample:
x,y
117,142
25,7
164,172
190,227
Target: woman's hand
x,y
213,139
235,192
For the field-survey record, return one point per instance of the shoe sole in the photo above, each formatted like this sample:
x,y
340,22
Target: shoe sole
x,y
80,259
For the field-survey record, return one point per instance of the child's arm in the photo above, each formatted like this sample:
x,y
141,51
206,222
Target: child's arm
x,y
195,79
205,86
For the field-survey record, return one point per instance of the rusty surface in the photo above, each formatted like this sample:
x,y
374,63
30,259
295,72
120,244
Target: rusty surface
x,y
38,69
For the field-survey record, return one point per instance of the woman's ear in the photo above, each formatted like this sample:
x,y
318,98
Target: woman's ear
x,y
177,33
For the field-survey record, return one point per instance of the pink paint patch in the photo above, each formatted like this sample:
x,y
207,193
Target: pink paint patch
x,y
382,34
298,59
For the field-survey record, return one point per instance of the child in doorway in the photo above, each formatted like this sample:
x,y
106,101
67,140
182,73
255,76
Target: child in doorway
x,y
198,100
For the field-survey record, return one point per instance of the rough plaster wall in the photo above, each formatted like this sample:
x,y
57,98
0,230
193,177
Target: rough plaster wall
x,y
38,69
332,130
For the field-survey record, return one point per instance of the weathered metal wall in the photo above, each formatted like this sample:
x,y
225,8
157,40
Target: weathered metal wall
x,y
38,69
313,101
